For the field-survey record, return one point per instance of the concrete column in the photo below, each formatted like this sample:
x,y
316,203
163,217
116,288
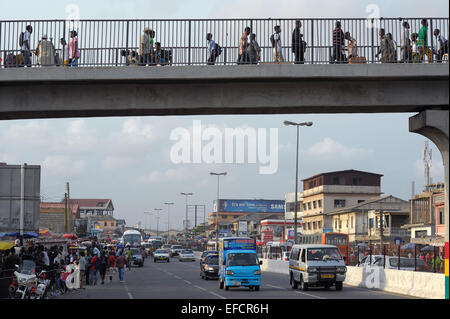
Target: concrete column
x,y
435,126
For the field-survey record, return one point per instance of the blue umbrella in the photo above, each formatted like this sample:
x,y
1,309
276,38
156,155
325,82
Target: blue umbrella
x,y
427,248
2,235
25,235
409,246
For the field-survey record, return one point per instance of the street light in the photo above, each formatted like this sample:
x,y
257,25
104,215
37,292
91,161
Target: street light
x,y
186,194
168,225
217,206
289,123
157,219
150,226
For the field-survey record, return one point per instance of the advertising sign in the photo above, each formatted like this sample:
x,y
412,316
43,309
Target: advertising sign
x,y
242,228
10,197
251,206
267,235
291,234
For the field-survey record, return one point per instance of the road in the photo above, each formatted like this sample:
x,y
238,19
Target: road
x,y
181,280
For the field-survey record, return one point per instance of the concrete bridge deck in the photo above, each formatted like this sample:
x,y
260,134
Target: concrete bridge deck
x,y
52,92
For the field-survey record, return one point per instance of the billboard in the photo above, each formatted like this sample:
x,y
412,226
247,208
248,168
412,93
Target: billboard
x,y
10,197
250,206
242,228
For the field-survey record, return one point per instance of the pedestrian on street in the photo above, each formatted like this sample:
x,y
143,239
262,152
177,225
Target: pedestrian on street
x,y
103,265
111,265
95,266
82,266
121,261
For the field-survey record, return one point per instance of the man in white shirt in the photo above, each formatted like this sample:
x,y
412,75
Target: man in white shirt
x,y
25,49
441,45
211,49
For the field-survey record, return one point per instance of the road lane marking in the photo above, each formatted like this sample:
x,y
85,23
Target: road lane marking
x,y
169,273
187,281
304,293
217,295
177,277
201,288
128,292
130,296
275,287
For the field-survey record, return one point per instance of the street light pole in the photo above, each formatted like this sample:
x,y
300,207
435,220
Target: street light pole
x,y
288,123
168,224
217,206
186,225
157,220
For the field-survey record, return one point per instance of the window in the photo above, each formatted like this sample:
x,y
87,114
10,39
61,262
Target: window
x,y
335,223
312,184
335,180
309,205
304,207
351,222
441,216
340,224
357,181
319,224
347,224
309,226
370,222
314,225
339,203
294,254
106,224
319,202
303,255
314,204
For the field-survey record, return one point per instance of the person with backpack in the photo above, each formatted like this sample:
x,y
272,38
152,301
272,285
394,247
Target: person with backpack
x,y
276,44
298,45
103,266
254,50
24,42
95,267
211,49
243,47
338,44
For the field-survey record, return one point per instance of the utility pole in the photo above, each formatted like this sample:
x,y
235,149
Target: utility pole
x,y
69,211
168,224
186,222
65,212
217,206
381,229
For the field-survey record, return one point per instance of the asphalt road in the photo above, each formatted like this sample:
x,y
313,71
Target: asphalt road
x,y
181,280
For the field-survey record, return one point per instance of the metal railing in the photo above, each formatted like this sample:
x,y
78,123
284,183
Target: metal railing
x,y
112,42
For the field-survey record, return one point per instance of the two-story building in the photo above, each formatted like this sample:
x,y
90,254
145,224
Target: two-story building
x,y
94,207
362,222
325,192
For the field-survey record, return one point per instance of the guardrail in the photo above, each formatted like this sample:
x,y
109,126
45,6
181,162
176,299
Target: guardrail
x,y
183,42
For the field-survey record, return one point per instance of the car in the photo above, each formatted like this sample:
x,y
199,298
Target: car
x,y
206,253
316,266
136,257
392,262
161,255
209,268
186,254
175,250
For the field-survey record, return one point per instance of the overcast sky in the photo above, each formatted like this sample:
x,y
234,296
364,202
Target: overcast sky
x,y
128,159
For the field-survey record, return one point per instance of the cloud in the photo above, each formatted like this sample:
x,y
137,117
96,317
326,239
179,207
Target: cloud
x,y
30,134
79,137
115,162
330,147
133,137
169,175
60,165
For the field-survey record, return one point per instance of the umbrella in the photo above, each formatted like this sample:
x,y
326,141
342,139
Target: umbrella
x,y
71,236
409,246
44,232
6,245
427,248
25,235
259,243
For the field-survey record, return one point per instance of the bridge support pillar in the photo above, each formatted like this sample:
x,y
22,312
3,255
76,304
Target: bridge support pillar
x,y
435,126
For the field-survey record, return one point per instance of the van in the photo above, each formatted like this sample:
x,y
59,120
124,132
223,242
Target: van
x,y
316,266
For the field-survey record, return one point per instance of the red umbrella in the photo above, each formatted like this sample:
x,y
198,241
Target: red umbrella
x,y
259,243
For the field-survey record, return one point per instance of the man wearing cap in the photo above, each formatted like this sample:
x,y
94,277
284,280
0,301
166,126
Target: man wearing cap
x,y
146,47
45,52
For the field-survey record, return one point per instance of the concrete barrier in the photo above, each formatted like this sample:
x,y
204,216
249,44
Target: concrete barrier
x,y
411,283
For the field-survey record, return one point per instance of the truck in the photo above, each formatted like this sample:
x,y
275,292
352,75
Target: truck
x,y
239,265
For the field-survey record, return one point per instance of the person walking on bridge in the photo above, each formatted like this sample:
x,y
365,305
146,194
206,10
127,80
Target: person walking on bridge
x,y
276,44
74,50
46,52
243,47
211,49
25,44
254,50
146,47
405,43
298,45
338,44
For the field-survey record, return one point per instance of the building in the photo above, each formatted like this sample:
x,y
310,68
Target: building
x,y
439,210
53,216
423,218
94,207
276,229
253,223
362,221
231,209
325,192
107,223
